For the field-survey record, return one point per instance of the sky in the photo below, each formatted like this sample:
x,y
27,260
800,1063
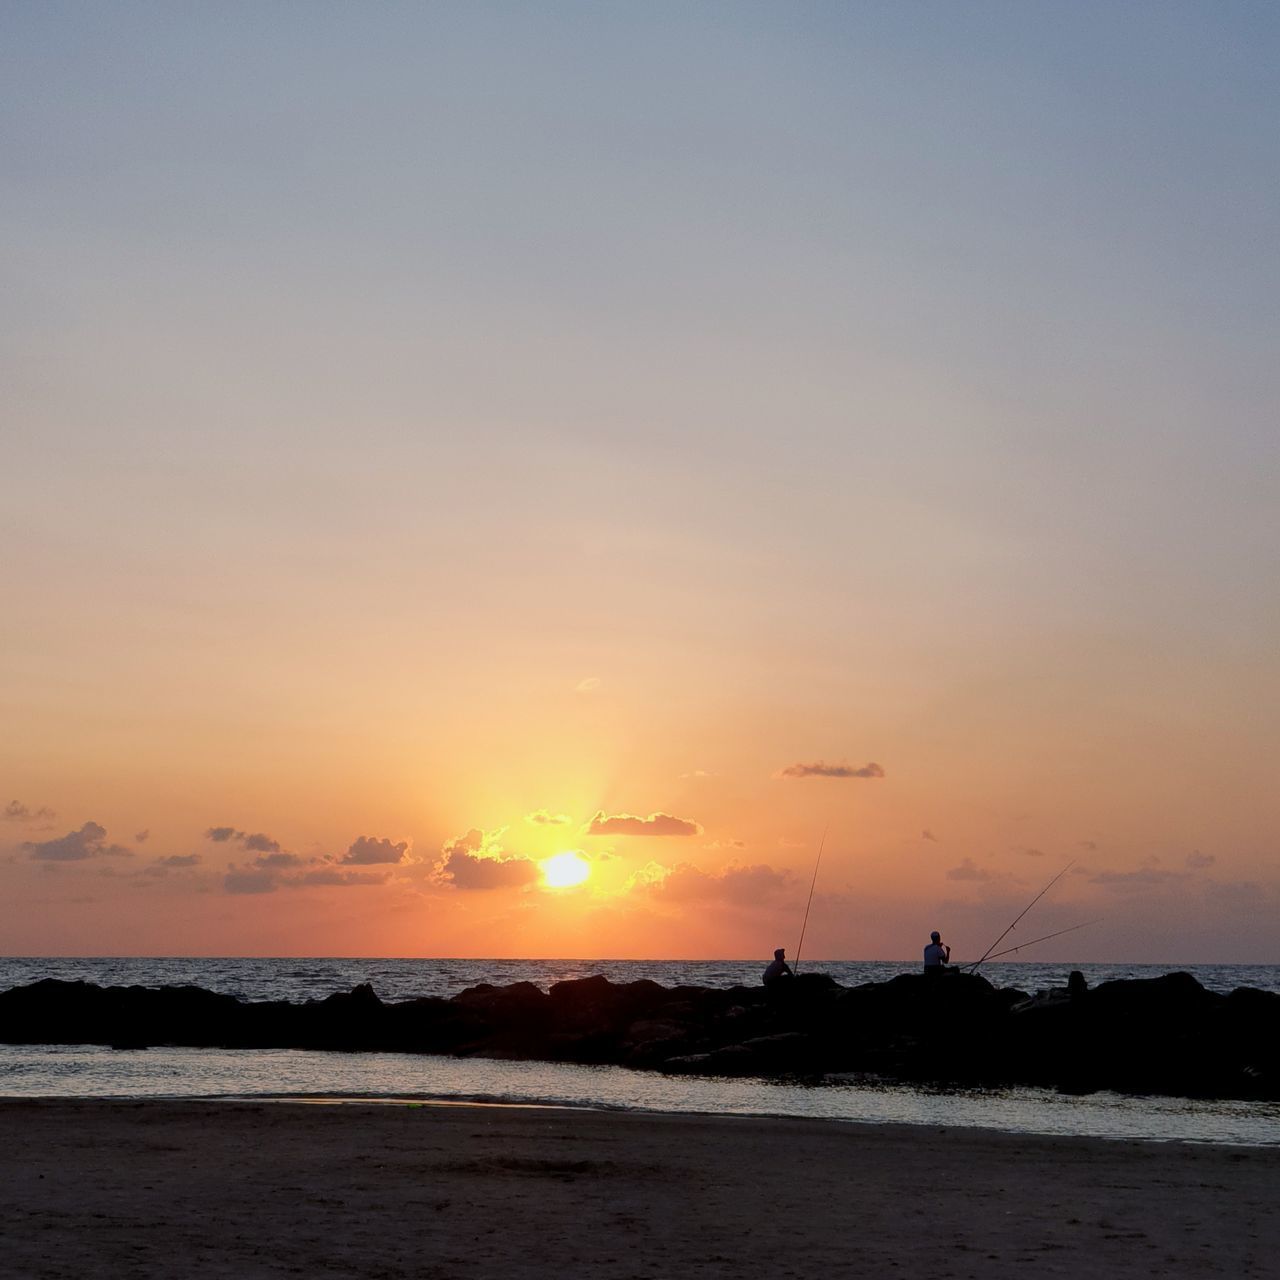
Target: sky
x,y
437,438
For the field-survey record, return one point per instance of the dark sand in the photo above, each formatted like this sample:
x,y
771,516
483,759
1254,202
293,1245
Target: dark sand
x,y
175,1189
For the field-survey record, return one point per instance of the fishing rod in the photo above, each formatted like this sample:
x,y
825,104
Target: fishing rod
x,y
812,885
986,955
1008,951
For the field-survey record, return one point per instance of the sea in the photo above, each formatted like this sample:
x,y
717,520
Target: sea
x,y
93,1071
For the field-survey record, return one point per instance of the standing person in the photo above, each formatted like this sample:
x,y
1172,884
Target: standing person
x,y
779,971
935,954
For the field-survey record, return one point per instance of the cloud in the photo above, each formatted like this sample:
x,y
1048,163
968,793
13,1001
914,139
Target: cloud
x,y
474,840
1136,881
1032,853
1199,860
140,837
627,824
969,870
736,886
255,842
278,860
726,844
245,880
926,834
821,770
698,773
541,818
16,811
1090,845
589,685
89,842
179,860
476,871
368,850
336,876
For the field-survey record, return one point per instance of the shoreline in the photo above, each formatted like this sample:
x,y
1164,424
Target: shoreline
x,y
275,1187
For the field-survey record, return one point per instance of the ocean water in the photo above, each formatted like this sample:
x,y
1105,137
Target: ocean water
x,y
94,1071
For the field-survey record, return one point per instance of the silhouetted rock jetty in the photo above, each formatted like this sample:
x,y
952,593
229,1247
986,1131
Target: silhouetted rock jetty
x,y
1163,1035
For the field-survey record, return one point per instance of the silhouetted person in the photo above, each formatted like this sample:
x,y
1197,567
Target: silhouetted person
x,y
936,955
779,972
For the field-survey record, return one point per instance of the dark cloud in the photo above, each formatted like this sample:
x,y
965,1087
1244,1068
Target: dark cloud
x,y
141,837
336,876
179,860
541,818
255,842
1199,861
969,870
821,770
368,850
738,886
16,811
89,842
926,834
470,871
246,880
1090,845
471,841
656,824
1032,853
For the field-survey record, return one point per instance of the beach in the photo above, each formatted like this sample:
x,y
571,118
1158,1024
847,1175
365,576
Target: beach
x,y
154,1187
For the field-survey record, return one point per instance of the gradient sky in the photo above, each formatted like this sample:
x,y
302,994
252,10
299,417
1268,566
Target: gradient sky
x,y
432,433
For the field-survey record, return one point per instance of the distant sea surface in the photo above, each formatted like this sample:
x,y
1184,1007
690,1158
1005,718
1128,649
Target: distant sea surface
x,y
95,1071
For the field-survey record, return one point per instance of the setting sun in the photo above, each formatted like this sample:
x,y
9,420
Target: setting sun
x,y
565,870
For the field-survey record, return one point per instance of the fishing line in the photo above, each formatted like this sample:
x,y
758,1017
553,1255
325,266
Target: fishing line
x,y
986,955
1008,951
812,885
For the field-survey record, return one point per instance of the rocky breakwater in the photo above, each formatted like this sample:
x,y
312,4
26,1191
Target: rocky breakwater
x,y
1162,1035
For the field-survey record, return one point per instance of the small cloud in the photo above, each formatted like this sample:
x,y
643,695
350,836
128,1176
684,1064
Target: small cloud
x,y
1090,845
1032,853
1135,881
336,876
1199,861
246,880
278,861
541,818
141,837
698,773
926,834
969,870
476,871
628,824
255,842
589,685
179,860
16,811
821,770
368,850
726,844
89,842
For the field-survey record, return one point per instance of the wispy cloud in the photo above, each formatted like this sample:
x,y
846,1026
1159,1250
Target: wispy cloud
x,y
541,818
1198,861
76,846
16,811
589,685
179,860
628,824
141,837
969,870
926,834
254,842
734,886
821,770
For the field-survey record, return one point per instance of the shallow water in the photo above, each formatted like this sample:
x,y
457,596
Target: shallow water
x,y
29,1071
95,1071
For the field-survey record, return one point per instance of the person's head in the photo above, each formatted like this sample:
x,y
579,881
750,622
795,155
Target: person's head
x,y
935,936
780,954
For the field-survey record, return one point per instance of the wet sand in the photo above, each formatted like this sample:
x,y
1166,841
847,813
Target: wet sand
x,y
202,1189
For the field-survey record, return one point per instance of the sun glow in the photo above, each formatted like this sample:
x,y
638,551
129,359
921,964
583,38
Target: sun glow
x,y
564,870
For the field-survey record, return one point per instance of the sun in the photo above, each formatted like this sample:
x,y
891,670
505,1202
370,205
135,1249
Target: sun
x,y
564,870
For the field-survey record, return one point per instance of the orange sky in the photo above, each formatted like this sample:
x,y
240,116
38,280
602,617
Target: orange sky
x,y
420,421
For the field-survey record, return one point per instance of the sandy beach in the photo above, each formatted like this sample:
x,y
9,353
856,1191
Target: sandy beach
x,y
243,1189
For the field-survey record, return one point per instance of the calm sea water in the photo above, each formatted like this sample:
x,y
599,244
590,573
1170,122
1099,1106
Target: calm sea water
x,y
94,1071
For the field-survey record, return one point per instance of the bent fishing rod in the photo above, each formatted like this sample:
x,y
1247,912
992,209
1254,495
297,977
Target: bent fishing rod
x,y
1008,951
812,885
986,955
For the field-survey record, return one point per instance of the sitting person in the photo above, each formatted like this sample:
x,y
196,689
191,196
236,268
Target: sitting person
x,y
779,971
935,955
